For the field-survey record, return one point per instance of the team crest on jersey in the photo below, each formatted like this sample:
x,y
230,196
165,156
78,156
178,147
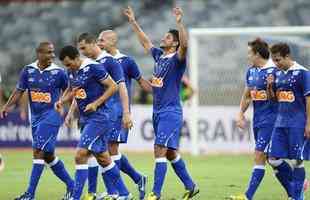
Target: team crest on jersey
x,y
103,60
54,72
269,71
258,95
295,73
285,96
85,69
30,71
157,82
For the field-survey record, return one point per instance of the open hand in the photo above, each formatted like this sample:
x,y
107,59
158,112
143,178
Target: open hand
x,y
129,13
178,13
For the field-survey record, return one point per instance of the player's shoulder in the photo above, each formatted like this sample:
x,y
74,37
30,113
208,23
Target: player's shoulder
x,y
104,57
298,67
89,64
53,68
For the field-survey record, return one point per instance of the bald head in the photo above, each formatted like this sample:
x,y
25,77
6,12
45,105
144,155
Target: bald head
x,y
107,40
43,46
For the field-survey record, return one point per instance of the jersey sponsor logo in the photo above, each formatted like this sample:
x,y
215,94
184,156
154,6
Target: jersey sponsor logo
x,y
40,97
80,93
285,96
157,81
258,95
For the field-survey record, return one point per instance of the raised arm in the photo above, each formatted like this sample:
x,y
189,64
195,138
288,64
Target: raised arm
x,y
143,38
244,104
178,13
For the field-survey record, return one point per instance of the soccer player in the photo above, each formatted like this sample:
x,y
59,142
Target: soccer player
x,y
170,64
264,110
290,87
44,82
107,41
92,87
118,104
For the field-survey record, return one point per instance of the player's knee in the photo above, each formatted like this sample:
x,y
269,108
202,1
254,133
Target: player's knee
x,y
49,157
160,151
103,159
274,162
81,156
260,157
113,148
38,154
171,154
297,163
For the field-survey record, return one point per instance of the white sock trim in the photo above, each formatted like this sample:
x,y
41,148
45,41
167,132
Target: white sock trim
x,y
161,160
116,157
83,166
176,159
54,162
92,162
38,161
259,167
107,168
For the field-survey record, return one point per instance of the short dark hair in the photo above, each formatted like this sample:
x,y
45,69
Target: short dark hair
x,y
282,48
88,37
42,45
68,51
175,34
261,47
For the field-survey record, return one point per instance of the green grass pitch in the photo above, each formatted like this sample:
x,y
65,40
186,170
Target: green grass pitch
x,y
218,176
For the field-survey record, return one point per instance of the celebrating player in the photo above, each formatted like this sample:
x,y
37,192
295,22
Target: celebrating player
x,y
170,64
92,87
264,110
44,82
290,87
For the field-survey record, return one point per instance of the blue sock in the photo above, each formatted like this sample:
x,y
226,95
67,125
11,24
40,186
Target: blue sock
x,y
92,175
298,180
256,178
128,169
112,175
60,171
283,173
159,175
181,171
81,174
37,169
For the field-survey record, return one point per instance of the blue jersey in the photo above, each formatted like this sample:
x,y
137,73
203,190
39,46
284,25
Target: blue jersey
x,y
291,87
166,81
115,71
264,109
130,68
44,89
86,83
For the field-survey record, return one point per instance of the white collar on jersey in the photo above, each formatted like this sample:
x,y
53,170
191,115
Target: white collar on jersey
x,y
49,68
86,62
169,55
268,64
103,54
297,66
119,55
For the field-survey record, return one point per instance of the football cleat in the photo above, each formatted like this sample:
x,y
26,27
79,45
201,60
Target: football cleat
x,y
141,187
237,197
128,197
25,196
152,196
67,196
89,196
189,194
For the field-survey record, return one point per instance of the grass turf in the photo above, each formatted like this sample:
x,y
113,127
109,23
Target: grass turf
x,y
217,176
